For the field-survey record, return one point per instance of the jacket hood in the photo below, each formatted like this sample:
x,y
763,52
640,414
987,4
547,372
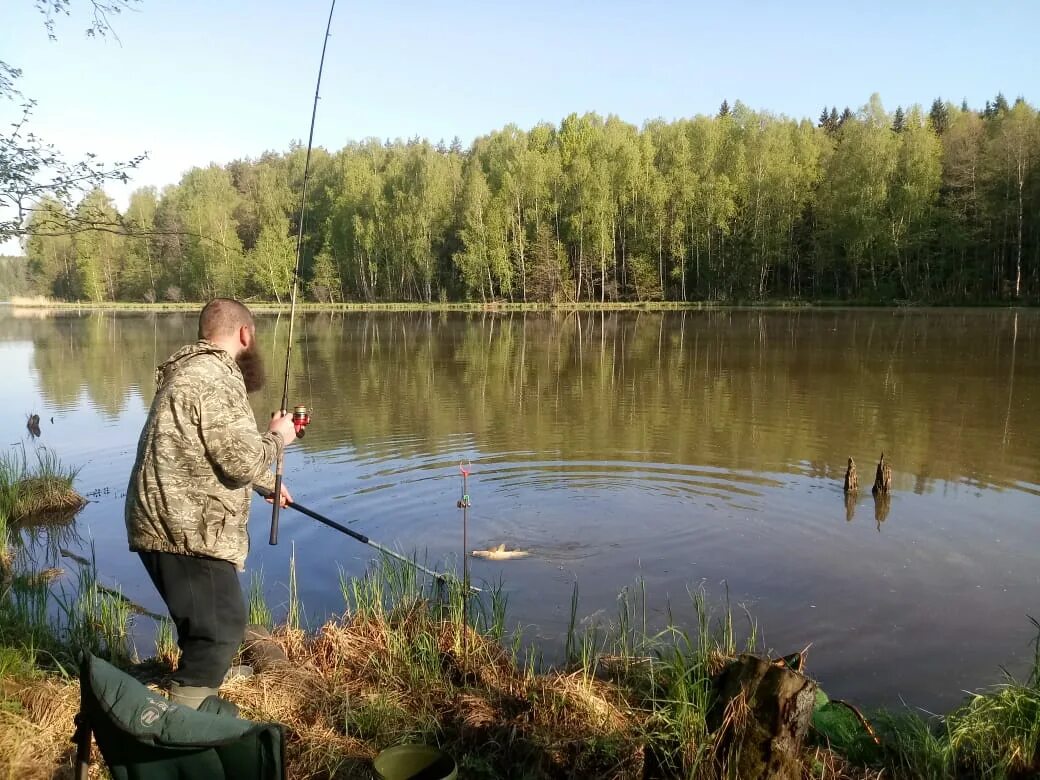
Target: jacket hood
x,y
180,357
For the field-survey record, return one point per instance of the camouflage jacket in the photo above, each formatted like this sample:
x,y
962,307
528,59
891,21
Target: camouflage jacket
x,y
198,456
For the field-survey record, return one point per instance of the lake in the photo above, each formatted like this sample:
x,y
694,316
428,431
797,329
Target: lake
x,y
687,450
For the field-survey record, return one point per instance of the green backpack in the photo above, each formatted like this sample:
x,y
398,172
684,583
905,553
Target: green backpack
x,y
142,736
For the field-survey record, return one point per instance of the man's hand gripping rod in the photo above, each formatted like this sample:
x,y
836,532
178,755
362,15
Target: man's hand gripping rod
x,y
301,418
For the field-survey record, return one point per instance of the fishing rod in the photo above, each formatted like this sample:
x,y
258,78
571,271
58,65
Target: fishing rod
x,y
444,578
301,414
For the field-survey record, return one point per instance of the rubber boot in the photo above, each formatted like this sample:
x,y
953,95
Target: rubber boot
x,y
189,696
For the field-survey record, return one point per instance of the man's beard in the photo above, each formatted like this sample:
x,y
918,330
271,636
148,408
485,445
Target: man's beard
x,y
251,364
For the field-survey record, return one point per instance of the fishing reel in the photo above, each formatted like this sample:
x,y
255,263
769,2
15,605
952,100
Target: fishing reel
x,y
301,418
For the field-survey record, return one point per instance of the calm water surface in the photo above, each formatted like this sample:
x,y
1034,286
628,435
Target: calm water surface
x,y
697,450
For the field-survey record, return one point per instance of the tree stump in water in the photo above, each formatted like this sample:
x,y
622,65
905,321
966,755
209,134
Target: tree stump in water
x,y
764,710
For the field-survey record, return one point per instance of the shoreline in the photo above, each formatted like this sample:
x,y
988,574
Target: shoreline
x,y
395,667
46,306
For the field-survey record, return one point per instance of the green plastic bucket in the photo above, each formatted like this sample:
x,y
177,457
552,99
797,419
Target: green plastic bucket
x,y
415,762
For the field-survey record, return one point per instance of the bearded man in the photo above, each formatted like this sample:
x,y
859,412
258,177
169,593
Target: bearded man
x,y
187,504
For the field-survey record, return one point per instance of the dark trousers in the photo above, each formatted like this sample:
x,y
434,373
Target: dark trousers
x,y
206,605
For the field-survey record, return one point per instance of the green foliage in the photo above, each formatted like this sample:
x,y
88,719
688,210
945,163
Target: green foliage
x,y
742,206
32,171
13,281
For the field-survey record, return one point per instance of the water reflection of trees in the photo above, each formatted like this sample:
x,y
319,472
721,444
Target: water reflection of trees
x,y
762,391
108,356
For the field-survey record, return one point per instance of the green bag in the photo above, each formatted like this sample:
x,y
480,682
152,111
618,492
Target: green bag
x,y
143,736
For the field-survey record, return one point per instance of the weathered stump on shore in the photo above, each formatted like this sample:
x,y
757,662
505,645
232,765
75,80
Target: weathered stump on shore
x,y
763,710
261,650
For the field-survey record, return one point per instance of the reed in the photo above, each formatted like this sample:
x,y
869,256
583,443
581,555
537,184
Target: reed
x,y
259,612
166,650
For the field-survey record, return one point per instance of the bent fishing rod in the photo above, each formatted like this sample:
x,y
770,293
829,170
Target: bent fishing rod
x,y
301,414
444,578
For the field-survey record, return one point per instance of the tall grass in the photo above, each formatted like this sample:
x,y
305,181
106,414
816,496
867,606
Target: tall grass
x,y
997,734
292,618
259,612
96,619
6,556
166,650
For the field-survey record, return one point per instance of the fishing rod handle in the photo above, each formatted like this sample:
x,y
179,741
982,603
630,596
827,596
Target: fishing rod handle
x,y
276,508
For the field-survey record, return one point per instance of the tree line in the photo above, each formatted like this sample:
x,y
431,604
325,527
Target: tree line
x,y
936,206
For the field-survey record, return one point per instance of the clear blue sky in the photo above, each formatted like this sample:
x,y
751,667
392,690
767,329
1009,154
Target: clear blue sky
x,y
196,81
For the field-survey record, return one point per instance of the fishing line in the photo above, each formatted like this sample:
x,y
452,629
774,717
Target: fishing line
x,y
301,415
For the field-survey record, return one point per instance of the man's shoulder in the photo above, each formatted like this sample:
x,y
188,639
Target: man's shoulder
x,y
201,372
207,363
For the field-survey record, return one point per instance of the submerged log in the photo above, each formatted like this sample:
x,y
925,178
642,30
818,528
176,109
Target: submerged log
x,y
763,711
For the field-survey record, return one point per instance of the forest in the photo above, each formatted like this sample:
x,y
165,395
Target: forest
x,y
913,206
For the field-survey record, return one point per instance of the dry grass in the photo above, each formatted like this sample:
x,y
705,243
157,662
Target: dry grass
x,y
32,300
36,717
348,692
401,667
351,690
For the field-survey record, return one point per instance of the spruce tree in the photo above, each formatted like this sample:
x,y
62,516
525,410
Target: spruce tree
x,y
939,116
846,116
724,109
899,120
1000,105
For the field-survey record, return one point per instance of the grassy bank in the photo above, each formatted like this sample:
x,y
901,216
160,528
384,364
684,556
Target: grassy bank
x,y
32,492
439,306
400,665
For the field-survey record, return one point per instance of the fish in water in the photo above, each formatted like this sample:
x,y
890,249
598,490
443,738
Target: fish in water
x,y
500,553
851,478
883,477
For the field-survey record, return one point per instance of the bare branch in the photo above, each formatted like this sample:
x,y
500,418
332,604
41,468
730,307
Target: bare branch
x,y
73,224
100,25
